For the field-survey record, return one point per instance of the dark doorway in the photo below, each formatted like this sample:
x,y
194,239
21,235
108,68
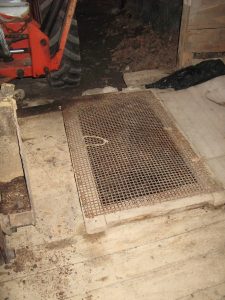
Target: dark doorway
x,y
119,36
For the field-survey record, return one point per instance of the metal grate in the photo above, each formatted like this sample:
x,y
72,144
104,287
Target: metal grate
x,y
126,153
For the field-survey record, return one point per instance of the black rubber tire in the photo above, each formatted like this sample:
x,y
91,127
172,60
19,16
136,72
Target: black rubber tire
x,y
44,6
69,73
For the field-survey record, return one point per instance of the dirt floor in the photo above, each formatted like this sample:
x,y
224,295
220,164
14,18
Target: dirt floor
x,y
142,48
14,197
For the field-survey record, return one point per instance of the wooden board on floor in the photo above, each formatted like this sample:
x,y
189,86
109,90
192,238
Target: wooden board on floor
x,y
154,264
211,40
215,292
207,14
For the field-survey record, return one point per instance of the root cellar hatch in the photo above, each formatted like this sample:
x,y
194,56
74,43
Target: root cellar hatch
x,y
127,153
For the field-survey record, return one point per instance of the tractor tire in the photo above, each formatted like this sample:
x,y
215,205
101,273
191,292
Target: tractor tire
x,y
44,6
69,73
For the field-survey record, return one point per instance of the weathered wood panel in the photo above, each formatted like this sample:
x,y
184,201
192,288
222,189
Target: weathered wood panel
x,y
207,14
184,57
206,40
202,29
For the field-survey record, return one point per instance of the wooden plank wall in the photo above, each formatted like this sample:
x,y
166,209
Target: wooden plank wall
x,y
202,29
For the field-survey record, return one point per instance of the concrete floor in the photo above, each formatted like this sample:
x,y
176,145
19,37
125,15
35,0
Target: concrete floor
x,y
177,256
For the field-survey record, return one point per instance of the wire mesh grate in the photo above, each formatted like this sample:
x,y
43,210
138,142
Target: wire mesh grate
x,y
127,152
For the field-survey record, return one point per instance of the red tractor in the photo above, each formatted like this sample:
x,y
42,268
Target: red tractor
x,y
39,38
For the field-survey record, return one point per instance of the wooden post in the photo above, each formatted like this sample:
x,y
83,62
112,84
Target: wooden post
x,y
184,57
